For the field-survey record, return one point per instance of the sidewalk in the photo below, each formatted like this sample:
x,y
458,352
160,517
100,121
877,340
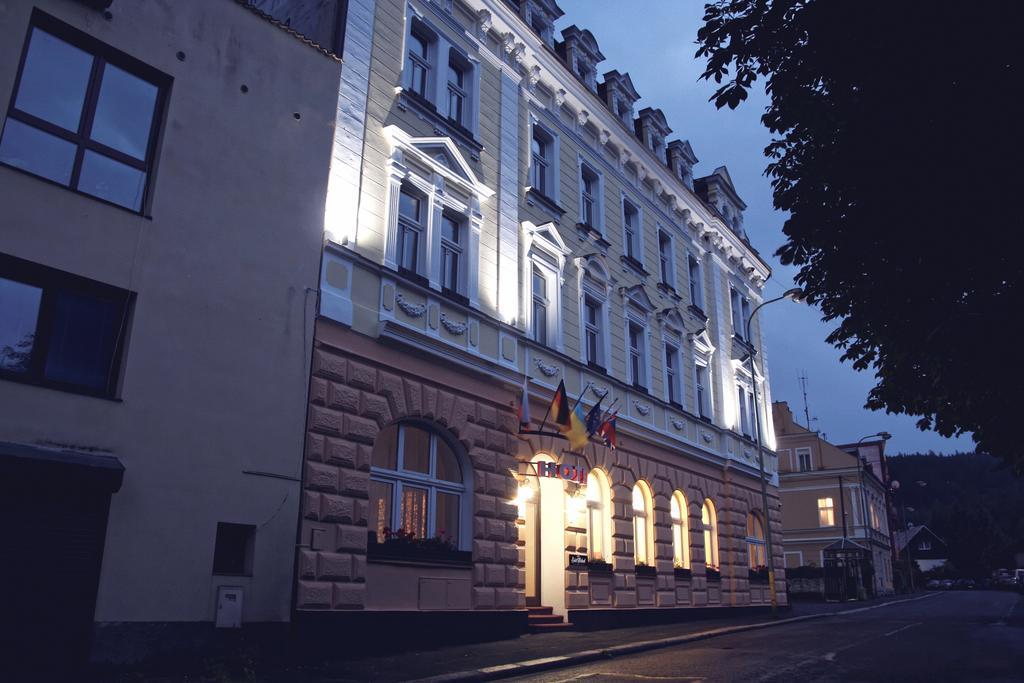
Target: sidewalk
x,y
495,659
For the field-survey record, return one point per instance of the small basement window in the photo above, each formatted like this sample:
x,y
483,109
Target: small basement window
x,y
233,551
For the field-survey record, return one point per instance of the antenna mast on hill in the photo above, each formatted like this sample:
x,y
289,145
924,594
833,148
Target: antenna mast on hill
x,y
803,388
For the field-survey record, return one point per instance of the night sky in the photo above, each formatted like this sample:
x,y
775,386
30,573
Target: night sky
x,y
654,41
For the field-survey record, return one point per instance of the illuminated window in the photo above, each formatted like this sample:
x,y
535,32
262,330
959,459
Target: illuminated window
x,y
598,516
680,531
416,485
709,521
643,525
826,512
755,542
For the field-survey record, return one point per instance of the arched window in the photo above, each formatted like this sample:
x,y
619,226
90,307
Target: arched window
x,y
598,511
416,485
643,525
755,542
680,531
709,520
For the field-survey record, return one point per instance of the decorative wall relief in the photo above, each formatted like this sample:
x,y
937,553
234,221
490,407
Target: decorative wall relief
x,y
409,308
600,392
642,408
546,370
679,424
453,326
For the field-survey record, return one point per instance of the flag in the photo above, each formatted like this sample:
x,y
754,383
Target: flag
x,y
607,431
524,406
594,418
577,433
560,409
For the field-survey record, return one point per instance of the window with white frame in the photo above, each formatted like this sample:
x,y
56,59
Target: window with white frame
x,y
803,459
458,93
416,486
598,516
696,281
539,314
643,525
590,197
746,408
826,512
632,237
702,389
543,162
411,228
636,336
680,514
756,555
709,522
421,46
452,261
740,312
924,545
593,325
673,383
666,259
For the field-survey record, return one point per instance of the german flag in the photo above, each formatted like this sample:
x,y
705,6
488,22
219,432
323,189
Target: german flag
x,y
560,409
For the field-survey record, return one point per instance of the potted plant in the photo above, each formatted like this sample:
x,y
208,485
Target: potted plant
x,y
400,544
713,573
758,574
644,569
599,567
682,572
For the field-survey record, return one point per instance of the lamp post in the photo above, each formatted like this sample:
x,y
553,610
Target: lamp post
x,y
864,517
794,295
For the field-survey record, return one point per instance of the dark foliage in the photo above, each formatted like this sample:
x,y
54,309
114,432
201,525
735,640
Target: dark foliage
x,y
896,154
969,501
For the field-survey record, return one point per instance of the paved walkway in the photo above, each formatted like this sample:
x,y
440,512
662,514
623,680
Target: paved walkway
x,y
466,658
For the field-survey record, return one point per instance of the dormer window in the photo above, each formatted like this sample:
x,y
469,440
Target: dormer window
x,y
625,112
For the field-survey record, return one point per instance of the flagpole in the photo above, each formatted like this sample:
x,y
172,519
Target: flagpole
x,y
580,398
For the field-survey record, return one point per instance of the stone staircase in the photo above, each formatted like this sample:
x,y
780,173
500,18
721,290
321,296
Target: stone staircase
x,y
542,620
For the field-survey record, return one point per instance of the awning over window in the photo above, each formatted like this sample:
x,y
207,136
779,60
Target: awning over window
x,y
57,466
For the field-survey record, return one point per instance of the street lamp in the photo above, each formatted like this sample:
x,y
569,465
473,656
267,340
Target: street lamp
x,y
884,436
797,295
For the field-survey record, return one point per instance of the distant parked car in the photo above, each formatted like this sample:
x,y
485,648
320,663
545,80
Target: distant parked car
x,y
965,584
947,584
933,585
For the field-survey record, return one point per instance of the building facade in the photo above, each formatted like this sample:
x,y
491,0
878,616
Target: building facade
x,y
831,500
514,221
158,271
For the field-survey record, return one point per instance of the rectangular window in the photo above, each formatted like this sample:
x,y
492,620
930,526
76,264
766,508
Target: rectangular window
x,y
233,549
542,162
84,115
826,512
631,231
451,254
696,284
590,198
410,227
702,389
736,306
637,355
592,328
418,64
665,259
741,399
803,457
672,389
540,306
457,93
60,330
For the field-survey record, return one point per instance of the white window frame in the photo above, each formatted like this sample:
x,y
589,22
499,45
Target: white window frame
x,y
641,375
458,249
419,226
755,544
710,528
810,460
600,546
667,270
696,283
426,33
702,352
680,530
674,350
463,91
632,248
826,512
596,197
643,524
594,281
546,251
552,177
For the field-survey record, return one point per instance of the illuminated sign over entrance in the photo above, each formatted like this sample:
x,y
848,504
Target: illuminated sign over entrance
x,y
557,471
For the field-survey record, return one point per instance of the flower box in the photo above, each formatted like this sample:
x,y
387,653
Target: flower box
x,y
683,573
404,548
646,570
758,575
599,567
713,574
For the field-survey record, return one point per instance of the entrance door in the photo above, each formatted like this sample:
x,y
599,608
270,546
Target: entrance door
x,y
545,542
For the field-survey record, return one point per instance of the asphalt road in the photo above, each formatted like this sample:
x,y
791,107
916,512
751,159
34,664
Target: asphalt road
x,y
949,636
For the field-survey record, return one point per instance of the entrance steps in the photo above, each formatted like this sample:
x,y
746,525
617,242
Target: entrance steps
x,y
543,620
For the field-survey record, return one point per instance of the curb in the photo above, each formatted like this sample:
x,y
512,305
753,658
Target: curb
x,y
491,673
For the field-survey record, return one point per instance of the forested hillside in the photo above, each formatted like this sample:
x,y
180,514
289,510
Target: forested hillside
x,y
969,500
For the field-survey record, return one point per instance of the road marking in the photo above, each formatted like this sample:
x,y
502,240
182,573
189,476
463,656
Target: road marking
x,y
830,657
902,628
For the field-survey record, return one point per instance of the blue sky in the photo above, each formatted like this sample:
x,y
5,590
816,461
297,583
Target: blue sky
x,y
654,41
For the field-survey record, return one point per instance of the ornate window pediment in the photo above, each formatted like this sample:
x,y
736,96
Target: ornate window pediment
x,y
637,297
442,156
